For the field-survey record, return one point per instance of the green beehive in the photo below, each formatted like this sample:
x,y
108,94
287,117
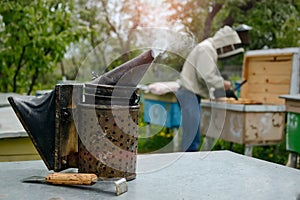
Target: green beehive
x,y
292,103
293,132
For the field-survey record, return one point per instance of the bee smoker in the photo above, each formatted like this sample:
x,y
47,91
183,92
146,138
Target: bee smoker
x,y
91,126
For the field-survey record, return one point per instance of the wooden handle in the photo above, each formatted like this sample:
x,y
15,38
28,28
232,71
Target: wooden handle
x,y
71,179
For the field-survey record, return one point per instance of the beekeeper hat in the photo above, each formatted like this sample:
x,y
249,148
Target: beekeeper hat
x,y
225,41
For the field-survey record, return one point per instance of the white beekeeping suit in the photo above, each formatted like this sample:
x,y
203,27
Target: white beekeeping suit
x,y
199,76
200,73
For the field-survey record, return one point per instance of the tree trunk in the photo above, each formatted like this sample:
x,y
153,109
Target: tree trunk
x,y
229,20
33,80
62,67
18,69
208,22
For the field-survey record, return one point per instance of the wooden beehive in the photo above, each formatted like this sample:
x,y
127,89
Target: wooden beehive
x,y
269,74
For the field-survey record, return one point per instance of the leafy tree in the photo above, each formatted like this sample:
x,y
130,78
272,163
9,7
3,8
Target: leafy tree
x,y
35,35
33,39
199,16
192,14
275,23
117,28
110,27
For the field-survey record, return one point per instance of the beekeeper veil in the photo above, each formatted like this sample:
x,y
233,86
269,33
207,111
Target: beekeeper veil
x,y
226,42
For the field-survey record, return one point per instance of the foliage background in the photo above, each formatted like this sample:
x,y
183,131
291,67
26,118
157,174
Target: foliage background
x,y
42,41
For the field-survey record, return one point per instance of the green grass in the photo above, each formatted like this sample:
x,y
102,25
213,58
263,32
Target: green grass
x,y
161,140
158,139
272,153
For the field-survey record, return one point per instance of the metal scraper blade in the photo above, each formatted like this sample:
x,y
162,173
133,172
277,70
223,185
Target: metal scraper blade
x,y
119,184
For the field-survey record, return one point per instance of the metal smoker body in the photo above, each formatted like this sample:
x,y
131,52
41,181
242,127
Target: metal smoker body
x,y
96,135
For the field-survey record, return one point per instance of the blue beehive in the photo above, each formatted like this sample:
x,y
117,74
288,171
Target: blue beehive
x,y
162,113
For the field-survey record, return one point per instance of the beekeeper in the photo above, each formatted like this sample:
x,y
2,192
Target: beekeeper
x,y
200,79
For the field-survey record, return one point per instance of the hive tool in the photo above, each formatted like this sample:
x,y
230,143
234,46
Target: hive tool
x,y
79,179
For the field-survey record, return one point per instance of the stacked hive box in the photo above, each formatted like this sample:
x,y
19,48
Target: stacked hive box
x,y
259,117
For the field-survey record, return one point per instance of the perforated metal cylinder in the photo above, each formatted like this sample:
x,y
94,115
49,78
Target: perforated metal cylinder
x,y
108,140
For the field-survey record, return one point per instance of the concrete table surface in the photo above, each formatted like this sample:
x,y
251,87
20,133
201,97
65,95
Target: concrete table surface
x,y
199,175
